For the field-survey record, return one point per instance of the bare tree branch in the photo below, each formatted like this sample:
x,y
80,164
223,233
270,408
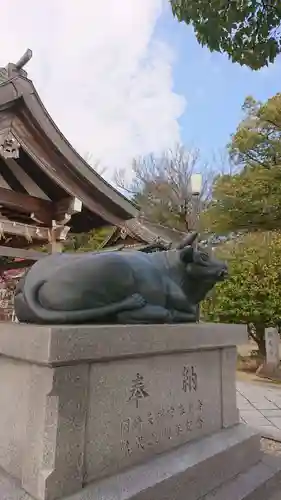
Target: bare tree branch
x,y
161,183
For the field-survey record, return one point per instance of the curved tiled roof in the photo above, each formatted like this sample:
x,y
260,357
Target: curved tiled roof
x,y
18,93
149,233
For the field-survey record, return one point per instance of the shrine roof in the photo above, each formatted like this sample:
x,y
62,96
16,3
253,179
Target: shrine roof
x,y
23,114
149,233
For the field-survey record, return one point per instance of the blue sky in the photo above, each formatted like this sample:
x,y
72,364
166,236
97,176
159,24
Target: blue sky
x,y
214,87
126,106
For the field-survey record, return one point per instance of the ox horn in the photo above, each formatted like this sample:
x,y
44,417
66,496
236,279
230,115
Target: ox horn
x,y
187,241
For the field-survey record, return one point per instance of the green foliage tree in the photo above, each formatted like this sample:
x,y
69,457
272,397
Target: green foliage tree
x,y
247,30
251,198
252,293
257,140
86,242
83,242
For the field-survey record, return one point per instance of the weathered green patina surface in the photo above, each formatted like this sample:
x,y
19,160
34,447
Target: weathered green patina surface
x,y
118,287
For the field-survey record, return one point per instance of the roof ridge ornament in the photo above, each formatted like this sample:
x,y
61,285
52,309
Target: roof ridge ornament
x,y
13,69
25,58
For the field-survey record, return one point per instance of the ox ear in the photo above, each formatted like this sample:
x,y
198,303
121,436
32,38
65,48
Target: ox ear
x,y
186,255
187,241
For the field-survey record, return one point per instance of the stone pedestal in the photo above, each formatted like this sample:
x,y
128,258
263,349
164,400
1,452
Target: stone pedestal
x,y
124,412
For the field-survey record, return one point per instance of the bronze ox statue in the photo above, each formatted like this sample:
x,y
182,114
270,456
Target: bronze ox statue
x,y
118,287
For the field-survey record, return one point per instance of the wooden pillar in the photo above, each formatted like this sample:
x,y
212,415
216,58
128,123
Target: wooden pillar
x,y
55,246
57,235
64,210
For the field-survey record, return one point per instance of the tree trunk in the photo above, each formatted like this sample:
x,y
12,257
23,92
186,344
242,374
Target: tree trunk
x,y
257,332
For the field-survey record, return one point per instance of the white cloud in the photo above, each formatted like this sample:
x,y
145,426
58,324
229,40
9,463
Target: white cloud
x,y
102,75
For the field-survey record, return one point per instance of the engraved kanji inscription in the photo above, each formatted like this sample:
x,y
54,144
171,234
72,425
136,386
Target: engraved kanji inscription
x,y
167,432
161,414
125,446
179,429
188,425
125,426
199,423
148,428
200,405
171,411
181,409
137,423
138,390
190,379
140,442
155,437
150,418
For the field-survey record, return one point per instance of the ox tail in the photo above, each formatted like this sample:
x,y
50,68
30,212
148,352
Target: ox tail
x,y
50,316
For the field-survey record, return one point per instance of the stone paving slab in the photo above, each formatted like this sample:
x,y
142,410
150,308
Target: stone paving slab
x,y
260,407
271,413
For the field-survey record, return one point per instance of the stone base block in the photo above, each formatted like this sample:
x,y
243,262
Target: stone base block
x,y
84,403
226,466
260,482
192,471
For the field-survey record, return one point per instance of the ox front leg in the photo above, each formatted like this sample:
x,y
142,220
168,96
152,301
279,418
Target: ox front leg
x,y
176,299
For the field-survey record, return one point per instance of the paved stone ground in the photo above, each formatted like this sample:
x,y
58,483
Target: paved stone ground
x,y
260,406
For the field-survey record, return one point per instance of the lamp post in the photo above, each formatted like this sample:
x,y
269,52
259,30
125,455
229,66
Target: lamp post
x,y
194,190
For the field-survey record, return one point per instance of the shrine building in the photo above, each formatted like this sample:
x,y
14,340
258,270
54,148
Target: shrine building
x,y
46,188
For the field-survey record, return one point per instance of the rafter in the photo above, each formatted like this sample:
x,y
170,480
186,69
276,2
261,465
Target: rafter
x,y
25,230
25,203
43,211
70,205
